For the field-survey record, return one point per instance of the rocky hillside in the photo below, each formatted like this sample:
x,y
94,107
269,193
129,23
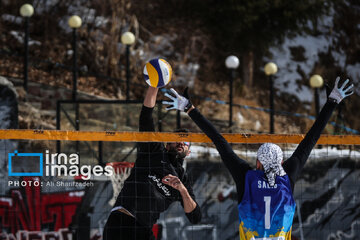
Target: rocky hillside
x,y
186,36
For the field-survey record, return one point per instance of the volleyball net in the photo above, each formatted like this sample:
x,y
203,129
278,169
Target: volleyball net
x,y
76,198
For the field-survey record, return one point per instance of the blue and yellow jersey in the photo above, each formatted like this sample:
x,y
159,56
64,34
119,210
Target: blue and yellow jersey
x,y
266,212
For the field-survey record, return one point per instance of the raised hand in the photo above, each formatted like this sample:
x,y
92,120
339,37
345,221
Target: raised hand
x,y
339,93
177,102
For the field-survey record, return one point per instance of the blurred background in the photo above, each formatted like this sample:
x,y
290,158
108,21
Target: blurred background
x,y
252,66
302,38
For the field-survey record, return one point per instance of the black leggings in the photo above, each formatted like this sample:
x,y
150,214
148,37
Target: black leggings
x,y
120,226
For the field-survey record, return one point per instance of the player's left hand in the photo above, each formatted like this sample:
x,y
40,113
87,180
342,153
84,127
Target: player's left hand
x,y
174,182
339,93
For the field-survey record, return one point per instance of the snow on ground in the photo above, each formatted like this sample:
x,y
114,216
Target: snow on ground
x,y
12,18
20,37
326,153
44,6
288,76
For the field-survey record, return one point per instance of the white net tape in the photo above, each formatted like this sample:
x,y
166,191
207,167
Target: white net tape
x,y
117,181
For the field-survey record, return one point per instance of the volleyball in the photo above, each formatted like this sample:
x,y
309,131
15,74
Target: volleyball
x,y
157,72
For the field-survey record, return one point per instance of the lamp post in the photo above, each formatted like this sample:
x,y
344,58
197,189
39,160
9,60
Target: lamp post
x,y
232,63
178,119
26,11
128,38
74,22
271,69
316,82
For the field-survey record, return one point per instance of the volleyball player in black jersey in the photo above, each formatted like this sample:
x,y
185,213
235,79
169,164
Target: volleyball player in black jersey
x,y
156,181
265,201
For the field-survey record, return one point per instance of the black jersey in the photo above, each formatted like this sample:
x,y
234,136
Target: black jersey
x,y
143,194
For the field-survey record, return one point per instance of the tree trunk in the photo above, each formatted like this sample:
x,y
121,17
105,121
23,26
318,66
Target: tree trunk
x,y
248,68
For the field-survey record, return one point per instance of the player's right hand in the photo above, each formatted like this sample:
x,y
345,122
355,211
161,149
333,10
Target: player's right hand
x,y
178,102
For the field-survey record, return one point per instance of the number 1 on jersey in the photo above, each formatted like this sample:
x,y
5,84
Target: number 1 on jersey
x,y
267,201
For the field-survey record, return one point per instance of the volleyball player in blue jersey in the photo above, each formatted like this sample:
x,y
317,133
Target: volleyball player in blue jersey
x,y
265,195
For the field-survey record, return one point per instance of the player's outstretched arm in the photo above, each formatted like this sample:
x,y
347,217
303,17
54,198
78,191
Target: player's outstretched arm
x,y
237,166
146,122
296,162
